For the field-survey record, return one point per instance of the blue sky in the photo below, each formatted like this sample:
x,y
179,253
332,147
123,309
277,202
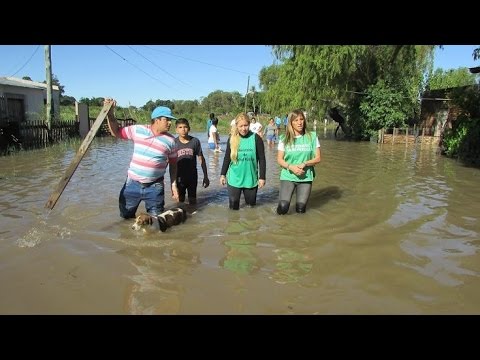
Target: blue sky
x,y
136,74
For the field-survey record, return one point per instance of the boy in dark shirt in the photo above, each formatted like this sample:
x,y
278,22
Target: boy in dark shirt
x,y
188,150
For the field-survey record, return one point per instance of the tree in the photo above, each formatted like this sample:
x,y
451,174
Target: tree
x,y
323,76
84,100
222,102
383,106
268,76
94,101
150,105
186,106
442,79
27,78
476,54
55,81
67,101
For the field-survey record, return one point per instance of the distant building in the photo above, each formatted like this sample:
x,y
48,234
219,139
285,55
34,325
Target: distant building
x,y
22,100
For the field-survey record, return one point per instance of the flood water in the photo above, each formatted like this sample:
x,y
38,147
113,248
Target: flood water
x,y
388,230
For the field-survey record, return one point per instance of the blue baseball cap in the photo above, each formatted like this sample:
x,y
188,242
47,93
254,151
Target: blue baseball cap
x,y
164,111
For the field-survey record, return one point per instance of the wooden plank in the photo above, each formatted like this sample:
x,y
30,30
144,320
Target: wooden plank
x,y
78,157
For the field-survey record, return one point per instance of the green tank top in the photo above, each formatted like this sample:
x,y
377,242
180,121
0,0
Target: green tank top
x,y
302,149
244,173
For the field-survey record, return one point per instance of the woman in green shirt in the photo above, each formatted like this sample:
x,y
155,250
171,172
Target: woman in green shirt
x,y
298,153
244,164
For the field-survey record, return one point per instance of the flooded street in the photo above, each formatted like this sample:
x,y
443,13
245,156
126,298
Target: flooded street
x,y
388,230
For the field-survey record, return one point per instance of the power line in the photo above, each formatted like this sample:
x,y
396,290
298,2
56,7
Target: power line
x,y
151,62
138,68
26,62
201,62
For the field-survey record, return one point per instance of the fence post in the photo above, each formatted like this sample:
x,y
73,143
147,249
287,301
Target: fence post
x,y
81,110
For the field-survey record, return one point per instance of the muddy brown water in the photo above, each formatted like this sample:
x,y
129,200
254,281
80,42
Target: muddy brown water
x,y
388,230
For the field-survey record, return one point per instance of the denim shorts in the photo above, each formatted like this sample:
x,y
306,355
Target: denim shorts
x,y
133,192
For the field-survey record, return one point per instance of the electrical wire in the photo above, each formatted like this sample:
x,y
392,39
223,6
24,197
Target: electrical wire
x,y
26,62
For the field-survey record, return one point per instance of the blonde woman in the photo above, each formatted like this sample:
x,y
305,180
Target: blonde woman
x,y
244,164
298,153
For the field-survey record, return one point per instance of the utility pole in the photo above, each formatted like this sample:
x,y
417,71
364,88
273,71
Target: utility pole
x,y
48,69
246,94
253,98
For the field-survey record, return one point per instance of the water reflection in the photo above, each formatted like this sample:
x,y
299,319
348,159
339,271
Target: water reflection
x,y
291,265
154,289
240,257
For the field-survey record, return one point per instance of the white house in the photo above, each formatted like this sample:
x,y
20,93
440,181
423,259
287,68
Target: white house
x,y
22,100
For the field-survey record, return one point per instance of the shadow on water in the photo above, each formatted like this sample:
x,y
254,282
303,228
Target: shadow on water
x,y
320,197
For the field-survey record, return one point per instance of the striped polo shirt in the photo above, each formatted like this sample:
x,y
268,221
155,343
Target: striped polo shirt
x,y
151,154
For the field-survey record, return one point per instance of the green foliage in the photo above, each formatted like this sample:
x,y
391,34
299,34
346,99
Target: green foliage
x,y
463,140
67,100
67,112
467,99
383,106
444,79
316,77
186,106
221,102
56,82
150,105
311,76
268,76
476,54
93,101
61,88
224,104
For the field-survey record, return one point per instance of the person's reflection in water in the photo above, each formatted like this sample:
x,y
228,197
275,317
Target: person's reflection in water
x,y
291,266
155,289
240,257
240,254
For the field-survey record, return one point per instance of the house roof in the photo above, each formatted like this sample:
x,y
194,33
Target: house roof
x,y
24,83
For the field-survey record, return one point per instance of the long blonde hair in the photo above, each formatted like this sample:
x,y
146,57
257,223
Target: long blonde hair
x,y
235,136
290,134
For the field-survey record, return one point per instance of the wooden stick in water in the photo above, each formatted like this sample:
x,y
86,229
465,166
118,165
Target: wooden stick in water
x,y
78,157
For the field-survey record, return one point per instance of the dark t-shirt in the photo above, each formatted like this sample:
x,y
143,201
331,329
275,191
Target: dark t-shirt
x,y
187,158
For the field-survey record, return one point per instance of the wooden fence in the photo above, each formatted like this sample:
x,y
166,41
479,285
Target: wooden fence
x,y
35,135
104,131
408,136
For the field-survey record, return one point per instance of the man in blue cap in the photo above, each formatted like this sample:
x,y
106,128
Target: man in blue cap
x,y
154,149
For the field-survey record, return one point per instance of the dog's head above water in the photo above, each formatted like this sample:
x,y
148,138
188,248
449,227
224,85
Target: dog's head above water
x,y
142,221
167,219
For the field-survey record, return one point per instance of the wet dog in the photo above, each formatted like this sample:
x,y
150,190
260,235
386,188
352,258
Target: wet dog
x,y
162,222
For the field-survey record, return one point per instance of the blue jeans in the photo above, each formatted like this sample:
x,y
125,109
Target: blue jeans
x,y
133,192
